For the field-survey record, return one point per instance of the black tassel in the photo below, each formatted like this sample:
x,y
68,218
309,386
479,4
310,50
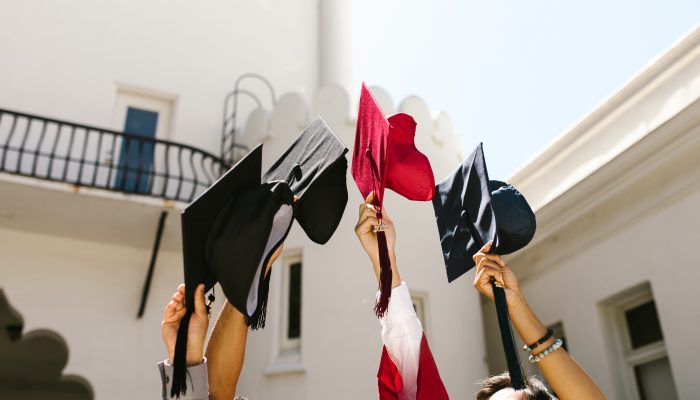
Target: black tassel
x,y
179,385
257,320
517,379
385,274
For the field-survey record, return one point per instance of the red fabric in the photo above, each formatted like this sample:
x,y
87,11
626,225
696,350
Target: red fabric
x,y
399,164
409,172
388,378
429,383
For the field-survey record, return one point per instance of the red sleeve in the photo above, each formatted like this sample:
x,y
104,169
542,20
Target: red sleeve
x,y
430,386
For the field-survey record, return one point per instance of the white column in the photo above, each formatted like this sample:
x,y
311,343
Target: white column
x,y
335,44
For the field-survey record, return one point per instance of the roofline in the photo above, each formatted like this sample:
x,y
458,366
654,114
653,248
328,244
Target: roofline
x,y
549,158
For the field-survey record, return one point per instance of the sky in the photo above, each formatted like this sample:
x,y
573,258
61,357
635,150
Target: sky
x,y
513,74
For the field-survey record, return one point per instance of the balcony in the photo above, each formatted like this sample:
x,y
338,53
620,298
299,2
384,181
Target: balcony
x,y
87,156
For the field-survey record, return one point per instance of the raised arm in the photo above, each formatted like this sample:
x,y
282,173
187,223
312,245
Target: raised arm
x,y
402,333
563,373
196,366
226,352
226,348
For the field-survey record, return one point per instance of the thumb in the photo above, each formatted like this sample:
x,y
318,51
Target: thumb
x,y
370,197
200,307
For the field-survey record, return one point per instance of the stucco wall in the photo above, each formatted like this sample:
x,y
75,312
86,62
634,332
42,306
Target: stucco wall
x,y
658,247
66,60
89,293
88,290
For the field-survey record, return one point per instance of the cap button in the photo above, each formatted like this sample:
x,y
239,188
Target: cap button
x,y
463,219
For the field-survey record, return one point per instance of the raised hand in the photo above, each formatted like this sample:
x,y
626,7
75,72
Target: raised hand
x,y
199,322
365,230
492,266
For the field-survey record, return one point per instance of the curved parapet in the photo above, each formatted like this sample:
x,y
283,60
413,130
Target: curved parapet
x,y
333,103
435,134
31,364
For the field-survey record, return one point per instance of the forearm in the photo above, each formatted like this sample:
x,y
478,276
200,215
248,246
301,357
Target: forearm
x,y
562,372
225,353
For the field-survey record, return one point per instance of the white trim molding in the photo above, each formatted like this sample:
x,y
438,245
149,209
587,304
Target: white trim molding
x,y
286,352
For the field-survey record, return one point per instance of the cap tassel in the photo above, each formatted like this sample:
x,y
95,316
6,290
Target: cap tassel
x,y
257,320
515,371
179,385
385,275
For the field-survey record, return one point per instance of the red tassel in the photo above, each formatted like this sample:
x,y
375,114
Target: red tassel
x,y
385,274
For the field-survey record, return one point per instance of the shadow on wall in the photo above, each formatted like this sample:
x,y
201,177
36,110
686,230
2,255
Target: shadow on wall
x,y
31,365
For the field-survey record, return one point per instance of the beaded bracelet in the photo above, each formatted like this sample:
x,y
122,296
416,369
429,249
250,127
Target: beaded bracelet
x,y
557,344
539,342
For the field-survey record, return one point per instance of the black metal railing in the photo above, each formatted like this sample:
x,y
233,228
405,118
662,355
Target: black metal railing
x,y
57,150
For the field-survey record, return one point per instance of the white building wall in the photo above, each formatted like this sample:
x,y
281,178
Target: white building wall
x,y
74,259
91,252
575,289
88,292
67,60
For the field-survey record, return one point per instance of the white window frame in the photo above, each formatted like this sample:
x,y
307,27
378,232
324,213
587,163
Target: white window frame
x,y
144,99
287,353
625,356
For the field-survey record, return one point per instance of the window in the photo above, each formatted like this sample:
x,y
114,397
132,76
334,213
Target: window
x,y
286,357
144,114
136,157
290,332
641,351
294,301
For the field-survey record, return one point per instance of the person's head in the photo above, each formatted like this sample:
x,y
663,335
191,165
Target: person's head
x,y
498,387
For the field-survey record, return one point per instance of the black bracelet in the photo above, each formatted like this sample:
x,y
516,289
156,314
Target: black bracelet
x,y
539,342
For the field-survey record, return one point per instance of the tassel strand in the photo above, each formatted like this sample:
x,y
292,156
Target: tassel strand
x,y
515,371
180,359
385,274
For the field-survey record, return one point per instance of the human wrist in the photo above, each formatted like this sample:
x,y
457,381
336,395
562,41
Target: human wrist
x,y
528,325
395,276
194,359
517,303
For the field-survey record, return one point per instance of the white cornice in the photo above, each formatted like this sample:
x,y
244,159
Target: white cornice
x,y
668,85
658,169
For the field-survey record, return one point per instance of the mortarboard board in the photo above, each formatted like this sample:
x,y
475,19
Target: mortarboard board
x,y
385,156
315,157
232,229
470,211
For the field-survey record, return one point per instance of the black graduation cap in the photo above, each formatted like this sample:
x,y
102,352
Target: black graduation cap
x,y
232,229
316,167
470,211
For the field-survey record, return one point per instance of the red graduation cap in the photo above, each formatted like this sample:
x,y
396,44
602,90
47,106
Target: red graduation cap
x,y
385,155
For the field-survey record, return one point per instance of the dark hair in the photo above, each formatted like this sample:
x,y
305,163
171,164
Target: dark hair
x,y
535,389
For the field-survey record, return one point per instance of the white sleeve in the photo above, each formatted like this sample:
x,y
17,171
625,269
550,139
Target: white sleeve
x,y
402,334
197,381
